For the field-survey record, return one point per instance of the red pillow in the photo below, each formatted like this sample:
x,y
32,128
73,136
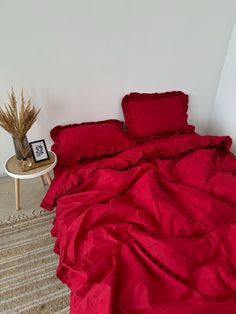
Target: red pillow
x,y
88,140
159,113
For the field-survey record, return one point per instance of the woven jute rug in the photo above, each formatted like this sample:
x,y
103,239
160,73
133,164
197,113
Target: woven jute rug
x,y
27,267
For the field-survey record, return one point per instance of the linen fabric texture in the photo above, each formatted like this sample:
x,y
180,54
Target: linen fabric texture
x,y
88,140
148,115
149,230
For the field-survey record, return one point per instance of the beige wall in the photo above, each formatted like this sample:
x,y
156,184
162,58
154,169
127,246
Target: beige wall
x,y
78,58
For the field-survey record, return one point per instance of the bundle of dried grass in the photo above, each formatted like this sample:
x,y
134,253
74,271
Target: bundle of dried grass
x,y
24,150
18,122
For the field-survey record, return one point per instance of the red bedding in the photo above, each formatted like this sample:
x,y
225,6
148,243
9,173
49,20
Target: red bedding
x,y
149,230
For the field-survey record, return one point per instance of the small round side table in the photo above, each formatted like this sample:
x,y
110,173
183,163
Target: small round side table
x,y
43,171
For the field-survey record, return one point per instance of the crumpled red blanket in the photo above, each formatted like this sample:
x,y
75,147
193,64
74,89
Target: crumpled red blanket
x,y
149,230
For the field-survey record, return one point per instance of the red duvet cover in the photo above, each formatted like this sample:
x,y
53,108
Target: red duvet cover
x,y
151,230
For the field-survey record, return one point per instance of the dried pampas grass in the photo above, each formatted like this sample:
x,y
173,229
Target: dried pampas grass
x,y
18,122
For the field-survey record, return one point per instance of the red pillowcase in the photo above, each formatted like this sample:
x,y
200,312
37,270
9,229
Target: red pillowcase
x,y
88,140
153,114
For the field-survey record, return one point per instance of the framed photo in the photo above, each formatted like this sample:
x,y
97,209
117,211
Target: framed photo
x,y
39,150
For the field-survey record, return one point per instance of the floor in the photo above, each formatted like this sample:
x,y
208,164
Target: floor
x,y
31,193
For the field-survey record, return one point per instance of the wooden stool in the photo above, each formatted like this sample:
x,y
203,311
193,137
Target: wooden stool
x,y
12,169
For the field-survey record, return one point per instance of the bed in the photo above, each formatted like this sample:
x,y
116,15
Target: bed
x,y
147,225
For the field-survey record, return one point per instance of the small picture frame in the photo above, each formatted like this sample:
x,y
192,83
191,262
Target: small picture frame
x,y
39,150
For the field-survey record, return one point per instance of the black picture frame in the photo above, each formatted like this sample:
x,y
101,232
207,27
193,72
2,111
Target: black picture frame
x,y
39,150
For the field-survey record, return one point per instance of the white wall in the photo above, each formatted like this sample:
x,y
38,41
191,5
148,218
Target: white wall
x,y
223,114
77,58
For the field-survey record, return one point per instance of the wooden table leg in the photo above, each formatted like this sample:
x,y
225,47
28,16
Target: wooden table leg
x,y
42,180
17,193
47,175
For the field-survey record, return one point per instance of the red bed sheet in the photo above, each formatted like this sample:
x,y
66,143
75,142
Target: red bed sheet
x,y
149,230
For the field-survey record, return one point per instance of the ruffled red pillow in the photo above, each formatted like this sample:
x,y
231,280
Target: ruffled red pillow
x,y
154,114
88,140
